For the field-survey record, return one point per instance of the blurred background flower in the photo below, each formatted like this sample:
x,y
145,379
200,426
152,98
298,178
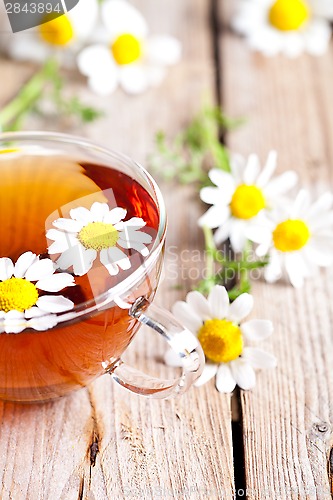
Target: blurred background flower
x,y
127,56
289,27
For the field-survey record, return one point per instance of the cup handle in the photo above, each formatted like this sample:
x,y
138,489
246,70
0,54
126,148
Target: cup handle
x,y
181,340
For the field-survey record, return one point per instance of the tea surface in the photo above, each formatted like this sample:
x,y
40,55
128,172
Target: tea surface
x,y
34,192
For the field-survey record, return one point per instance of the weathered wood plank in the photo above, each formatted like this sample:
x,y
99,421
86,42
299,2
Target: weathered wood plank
x,y
287,420
103,442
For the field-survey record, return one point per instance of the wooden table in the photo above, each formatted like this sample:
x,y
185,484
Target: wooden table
x,y
104,443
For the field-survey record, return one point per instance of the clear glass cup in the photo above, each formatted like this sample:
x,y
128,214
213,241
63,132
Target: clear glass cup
x,y
88,341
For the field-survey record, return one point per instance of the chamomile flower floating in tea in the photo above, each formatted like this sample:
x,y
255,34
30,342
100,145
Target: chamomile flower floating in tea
x,y
241,195
299,240
100,231
130,58
289,27
21,305
224,337
63,35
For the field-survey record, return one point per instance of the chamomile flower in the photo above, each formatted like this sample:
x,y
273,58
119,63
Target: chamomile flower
x,y
63,35
289,27
97,232
242,194
223,337
298,240
21,305
130,58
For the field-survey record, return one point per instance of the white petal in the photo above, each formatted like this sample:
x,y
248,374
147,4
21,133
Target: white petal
x,y
62,241
211,195
13,314
251,170
281,184
54,303
112,268
117,256
208,373
295,268
243,373
121,17
27,47
139,247
293,44
99,211
82,215
224,181
215,216
273,270
43,323
83,18
301,204
237,166
69,225
238,234
199,304
258,358
135,223
33,312
222,233
259,234
322,205
268,169
317,36
133,236
225,381
14,322
115,215
257,329
219,302
320,252
38,270
185,314
241,307
324,221
104,84
56,282
23,263
171,358
80,258
163,49
133,79
6,268
95,59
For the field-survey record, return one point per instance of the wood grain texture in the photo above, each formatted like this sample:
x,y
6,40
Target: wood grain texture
x,y
102,442
287,420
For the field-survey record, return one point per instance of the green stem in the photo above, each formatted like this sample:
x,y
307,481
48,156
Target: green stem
x,y
236,264
244,282
27,97
210,250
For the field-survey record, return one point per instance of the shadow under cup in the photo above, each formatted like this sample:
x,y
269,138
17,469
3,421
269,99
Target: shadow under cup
x,y
44,177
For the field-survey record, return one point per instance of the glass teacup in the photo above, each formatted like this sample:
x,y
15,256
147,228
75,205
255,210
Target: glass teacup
x,y
83,232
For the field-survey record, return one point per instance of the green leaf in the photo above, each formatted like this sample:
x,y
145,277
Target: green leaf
x,y
194,150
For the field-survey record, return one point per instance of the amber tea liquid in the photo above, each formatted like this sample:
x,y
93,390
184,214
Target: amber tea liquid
x,y
34,191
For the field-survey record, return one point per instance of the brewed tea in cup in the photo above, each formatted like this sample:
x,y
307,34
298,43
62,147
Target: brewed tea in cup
x,y
83,231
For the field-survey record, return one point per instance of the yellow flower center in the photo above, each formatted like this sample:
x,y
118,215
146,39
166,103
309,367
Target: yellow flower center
x,y
57,31
221,340
288,15
98,236
126,49
291,235
18,294
8,151
247,201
